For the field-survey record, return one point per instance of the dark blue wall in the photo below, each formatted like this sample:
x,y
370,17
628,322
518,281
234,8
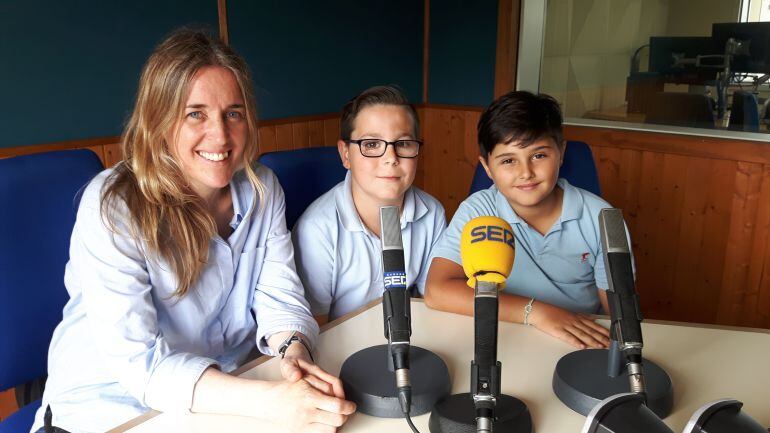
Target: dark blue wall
x,y
69,69
310,57
463,37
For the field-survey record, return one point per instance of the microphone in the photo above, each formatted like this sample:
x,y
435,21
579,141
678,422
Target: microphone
x,y
368,375
625,312
487,251
396,305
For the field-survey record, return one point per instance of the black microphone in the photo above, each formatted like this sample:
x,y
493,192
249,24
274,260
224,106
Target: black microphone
x,y
396,305
485,368
625,312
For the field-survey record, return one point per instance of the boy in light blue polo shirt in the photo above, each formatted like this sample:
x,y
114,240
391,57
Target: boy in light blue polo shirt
x,y
558,275
337,239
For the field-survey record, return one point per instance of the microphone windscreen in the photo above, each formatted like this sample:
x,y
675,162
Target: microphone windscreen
x,y
612,230
390,228
487,250
393,263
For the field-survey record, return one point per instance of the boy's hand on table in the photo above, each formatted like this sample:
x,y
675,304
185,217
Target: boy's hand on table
x,y
575,329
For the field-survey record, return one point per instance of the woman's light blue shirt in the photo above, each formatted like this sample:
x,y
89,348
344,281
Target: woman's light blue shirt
x,y
340,261
126,343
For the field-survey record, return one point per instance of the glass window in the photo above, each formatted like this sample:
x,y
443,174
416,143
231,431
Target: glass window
x,y
664,63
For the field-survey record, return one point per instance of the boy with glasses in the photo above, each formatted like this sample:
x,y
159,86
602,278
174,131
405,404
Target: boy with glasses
x,y
337,239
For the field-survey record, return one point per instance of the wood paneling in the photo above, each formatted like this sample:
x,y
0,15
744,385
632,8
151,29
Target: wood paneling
x,y
7,404
506,53
450,154
699,214
224,35
425,50
281,134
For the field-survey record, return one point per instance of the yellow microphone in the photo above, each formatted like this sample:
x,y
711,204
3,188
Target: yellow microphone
x,y
487,250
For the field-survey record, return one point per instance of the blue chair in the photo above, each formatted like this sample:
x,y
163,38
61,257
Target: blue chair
x,y
39,196
578,168
304,174
744,115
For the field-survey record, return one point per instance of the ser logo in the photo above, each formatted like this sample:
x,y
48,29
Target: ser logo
x,y
492,233
395,280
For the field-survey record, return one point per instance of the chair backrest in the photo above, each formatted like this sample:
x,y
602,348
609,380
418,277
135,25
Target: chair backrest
x,y
578,168
681,109
744,114
39,196
304,174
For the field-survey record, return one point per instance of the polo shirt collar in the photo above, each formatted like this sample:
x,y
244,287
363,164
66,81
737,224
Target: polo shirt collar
x,y
572,202
571,208
414,207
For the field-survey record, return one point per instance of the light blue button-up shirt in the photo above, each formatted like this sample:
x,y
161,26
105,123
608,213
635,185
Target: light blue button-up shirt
x,y
126,343
340,261
564,268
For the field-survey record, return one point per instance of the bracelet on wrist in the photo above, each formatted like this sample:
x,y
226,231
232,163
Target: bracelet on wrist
x,y
294,338
528,311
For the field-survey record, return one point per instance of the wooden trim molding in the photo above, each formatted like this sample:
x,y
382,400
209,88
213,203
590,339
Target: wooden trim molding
x,y
507,45
685,145
425,50
222,12
452,107
6,152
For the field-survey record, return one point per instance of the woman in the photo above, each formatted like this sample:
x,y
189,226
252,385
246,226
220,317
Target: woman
x,y
174,256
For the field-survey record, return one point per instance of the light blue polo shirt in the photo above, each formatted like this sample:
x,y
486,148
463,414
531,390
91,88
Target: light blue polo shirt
x,y
340,262
563,268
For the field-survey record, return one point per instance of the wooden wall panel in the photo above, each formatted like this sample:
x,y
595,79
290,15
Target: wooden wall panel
x,y
699,214
301,135
267,139
331,131
315,133
7,403
281,134
284,135
450,154
742,233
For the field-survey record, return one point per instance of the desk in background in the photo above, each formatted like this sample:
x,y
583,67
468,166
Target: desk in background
x,y
617,114
621,114
704,363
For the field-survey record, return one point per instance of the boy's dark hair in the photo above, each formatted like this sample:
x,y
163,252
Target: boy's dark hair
x,y
385,95
522,117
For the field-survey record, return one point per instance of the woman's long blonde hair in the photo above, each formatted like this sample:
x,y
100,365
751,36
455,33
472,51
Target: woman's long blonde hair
x,y
168,219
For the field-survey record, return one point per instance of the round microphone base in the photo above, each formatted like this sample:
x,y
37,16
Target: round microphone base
x,y
457,414
581,382
371,385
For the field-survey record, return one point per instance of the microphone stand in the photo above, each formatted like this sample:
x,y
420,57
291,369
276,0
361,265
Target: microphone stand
x,y
484,409
582,379
377,378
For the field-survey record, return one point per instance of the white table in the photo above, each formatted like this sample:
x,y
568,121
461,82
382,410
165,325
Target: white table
x,y
705,363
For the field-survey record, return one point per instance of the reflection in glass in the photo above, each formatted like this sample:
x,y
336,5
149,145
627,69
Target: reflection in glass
x,y
664,62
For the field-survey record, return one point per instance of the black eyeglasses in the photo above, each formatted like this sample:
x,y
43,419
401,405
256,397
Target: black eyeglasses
x,y
375,148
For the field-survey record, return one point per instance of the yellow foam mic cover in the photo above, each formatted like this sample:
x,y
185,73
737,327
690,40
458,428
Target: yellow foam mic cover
x,y
487,250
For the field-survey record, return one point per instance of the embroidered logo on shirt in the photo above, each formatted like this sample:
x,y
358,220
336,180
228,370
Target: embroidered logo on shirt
x,y
584,257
